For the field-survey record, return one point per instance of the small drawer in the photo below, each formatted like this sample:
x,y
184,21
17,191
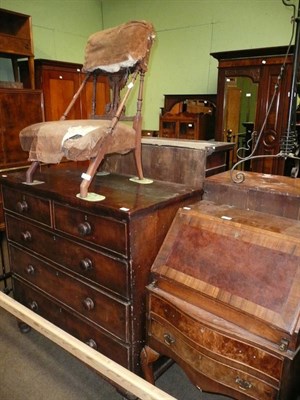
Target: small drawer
x,y
76,326
94,267
105,232
206,367
28,206
105,311
214,341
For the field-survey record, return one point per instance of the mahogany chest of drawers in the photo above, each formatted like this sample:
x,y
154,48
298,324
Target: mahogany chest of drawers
x,y
85,265
224,302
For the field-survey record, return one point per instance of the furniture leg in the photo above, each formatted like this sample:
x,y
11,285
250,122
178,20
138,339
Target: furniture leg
x,y
31,72
148,357
30,171
93,166
5,275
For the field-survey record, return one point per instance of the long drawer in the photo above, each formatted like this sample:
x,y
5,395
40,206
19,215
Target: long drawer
x,y
68,321
94,266
106,311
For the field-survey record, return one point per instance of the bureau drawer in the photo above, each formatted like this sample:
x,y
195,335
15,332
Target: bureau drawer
x,y
101,309
173,345
90,264
26,205
76,326
105,232
215,342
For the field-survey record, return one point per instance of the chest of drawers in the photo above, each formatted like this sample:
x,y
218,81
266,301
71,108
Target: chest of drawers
x,y
85,265
225,302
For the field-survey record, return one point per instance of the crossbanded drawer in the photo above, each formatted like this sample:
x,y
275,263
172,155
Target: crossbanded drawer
x,y
76,326
221,345
28,206
173,345
103,310
105,232
109,272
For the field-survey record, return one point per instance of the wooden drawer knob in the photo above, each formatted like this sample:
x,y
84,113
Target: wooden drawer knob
x,y
88,304
168,339
33,305
84,228
22,206
26,236
30,269
86,264
92,344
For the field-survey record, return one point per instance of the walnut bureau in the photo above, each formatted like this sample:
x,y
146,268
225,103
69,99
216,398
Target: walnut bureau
x,y
224,302
85,265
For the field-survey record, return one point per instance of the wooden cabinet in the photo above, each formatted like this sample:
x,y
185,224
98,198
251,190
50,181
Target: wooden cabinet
x,y
18,109
188,117
225,301
246,85
16,40
59,81
82,265
16,114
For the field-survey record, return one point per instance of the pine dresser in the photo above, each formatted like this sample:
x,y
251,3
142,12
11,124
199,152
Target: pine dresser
x,y
85,265
224,302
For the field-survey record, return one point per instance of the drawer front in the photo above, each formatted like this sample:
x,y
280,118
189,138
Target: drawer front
x,y
239,381
91,265
215,342
26,205
103,310
17,45
105,232
66,320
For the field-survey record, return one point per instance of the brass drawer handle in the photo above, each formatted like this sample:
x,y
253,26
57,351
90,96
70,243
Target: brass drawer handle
x,y
92,344
84,228
168,339
33,305
30,269
88,304
22,206
86,264
243,384
26,236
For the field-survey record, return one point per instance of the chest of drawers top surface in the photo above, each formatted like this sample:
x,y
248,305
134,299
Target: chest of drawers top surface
x,y
241,265
123,199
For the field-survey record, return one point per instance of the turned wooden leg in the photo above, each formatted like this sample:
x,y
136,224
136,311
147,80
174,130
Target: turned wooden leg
x,y
148,357
138,161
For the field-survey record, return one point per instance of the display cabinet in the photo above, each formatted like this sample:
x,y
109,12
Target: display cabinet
x,y
246,86
188,117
